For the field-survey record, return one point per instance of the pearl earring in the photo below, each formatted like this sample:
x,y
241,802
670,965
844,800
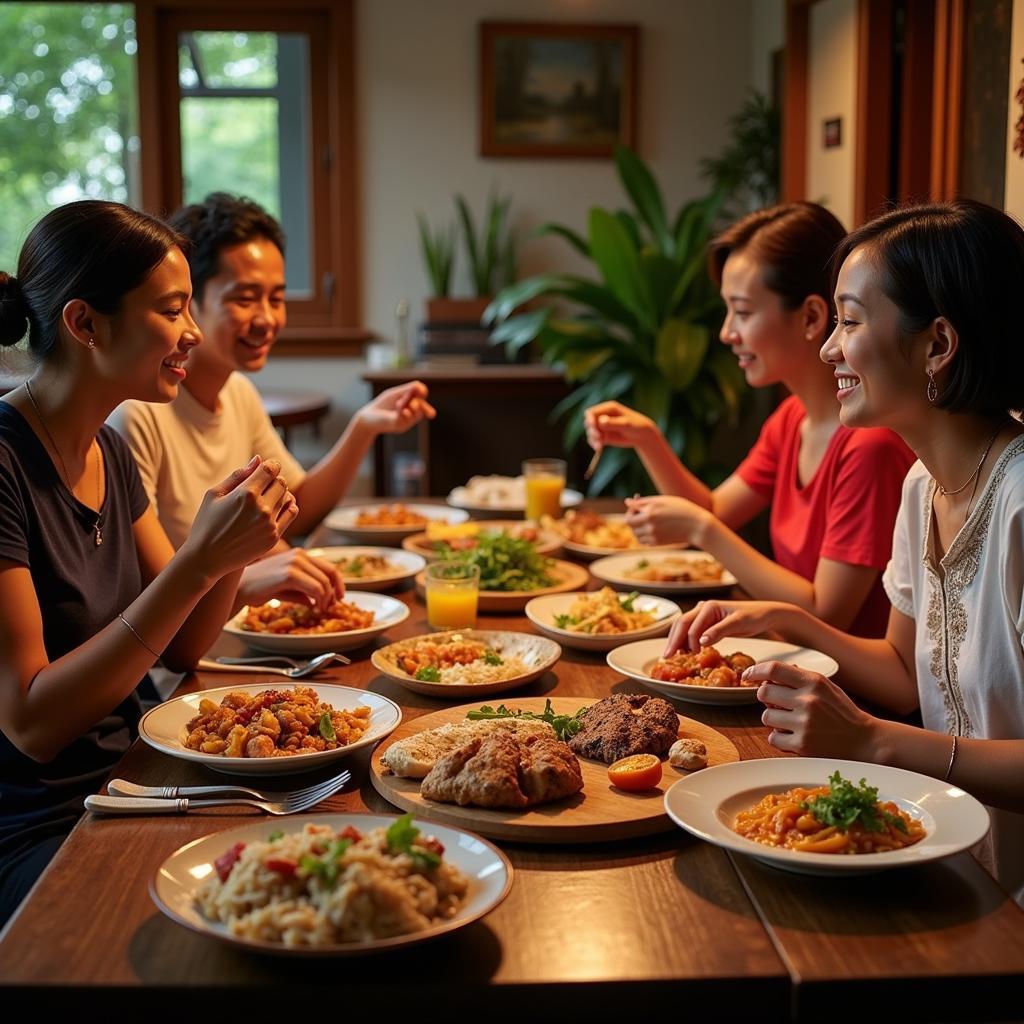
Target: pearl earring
x,y
92,343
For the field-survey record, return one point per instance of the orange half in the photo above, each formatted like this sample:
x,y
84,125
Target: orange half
x,y
639,771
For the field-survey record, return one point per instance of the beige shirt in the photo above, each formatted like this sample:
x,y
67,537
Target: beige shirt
x,y
968,612
183,449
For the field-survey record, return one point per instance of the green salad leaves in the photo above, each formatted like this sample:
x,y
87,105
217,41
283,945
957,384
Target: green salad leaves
x,y
506,563
565,726
846,803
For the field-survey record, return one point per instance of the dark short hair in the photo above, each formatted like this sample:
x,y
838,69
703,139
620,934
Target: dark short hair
x,y
93,250
793,243
963,261
220,222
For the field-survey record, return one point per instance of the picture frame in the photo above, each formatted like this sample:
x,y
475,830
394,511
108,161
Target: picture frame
x,y
556,89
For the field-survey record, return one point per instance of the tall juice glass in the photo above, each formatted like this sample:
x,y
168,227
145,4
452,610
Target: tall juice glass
x,y
545,481
452,591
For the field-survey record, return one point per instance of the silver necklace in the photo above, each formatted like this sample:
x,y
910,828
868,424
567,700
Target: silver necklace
x,y
981,462
98,525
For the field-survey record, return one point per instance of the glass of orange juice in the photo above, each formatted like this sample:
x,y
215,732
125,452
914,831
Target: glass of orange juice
x,y
545,481
452,590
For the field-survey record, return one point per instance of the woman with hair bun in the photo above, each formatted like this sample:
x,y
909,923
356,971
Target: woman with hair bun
x,y
833,492
928,344
91,591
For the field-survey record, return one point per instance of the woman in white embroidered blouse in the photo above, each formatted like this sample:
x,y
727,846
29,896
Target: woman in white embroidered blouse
x,y
927,343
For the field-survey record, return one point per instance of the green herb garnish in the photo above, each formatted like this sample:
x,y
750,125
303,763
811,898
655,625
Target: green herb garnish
x,y
627,601
428,674
492,657
506,563
328,867
642,564
401,838
275,835
565,726
846,803
565,621
327,727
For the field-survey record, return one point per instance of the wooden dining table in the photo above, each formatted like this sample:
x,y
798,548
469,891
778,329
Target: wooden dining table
x,y
618,930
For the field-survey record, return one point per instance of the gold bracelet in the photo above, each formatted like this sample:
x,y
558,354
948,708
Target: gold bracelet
x,y
952,758
137,637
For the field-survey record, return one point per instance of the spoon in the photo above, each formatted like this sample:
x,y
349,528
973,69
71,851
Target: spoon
x,y
300,672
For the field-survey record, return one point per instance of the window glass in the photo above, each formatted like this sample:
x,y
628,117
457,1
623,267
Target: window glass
x,y
68,114
245,128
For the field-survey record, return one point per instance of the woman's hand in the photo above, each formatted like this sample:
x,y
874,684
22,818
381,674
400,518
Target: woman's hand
x,y
808,714
241,518
612,424
664,519
396,410
709,621
292,575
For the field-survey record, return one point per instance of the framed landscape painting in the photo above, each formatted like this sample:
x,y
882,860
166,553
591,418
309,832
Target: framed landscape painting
x,y
557,90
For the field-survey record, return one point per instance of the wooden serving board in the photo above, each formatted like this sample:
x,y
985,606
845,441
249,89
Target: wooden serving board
x,y
599,813
568,575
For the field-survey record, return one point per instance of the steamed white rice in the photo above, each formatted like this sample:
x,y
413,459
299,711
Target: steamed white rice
x,y
480,672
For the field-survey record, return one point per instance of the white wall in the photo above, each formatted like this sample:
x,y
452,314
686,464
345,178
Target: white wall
x,y
832,92
1014,198
417,108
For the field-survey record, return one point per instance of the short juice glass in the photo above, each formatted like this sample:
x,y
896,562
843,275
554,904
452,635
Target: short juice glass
x,y
545,481
452,591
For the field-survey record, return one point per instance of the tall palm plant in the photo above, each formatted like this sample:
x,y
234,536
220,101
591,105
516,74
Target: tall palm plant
x,y
643,332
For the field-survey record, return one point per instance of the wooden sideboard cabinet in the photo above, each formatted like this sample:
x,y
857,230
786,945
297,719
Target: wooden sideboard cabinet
x,y
489,418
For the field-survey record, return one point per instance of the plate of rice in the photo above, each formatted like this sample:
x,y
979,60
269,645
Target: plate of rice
x,y
467,662
337,885
169,726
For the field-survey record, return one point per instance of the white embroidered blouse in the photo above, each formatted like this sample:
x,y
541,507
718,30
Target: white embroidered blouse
x,y
968,610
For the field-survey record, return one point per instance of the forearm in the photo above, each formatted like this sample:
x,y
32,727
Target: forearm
x,y
204,624
332,476
991,770
670,476
870,669
56,707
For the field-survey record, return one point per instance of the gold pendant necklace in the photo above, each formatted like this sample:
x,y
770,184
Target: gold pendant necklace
x,y
98,525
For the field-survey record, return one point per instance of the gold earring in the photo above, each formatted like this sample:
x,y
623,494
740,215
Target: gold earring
x,y
932,391
92,343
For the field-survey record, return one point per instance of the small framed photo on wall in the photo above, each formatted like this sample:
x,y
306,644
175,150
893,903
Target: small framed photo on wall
x,y
557,90
833,133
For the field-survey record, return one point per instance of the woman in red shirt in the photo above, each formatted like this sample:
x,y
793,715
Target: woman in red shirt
x,y
833,492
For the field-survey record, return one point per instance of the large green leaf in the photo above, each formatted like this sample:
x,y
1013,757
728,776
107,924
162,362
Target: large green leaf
x,y
694,225
681,348
576,240
619,264
510,298
651,395
729,377
628,221
662,275
643,190
580,365
520,330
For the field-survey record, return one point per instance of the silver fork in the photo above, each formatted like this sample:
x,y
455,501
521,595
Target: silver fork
x,y
291,803
122,787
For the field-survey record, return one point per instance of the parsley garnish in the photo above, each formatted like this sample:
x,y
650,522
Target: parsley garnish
x,y
327,727
401,838
492,657
564,725
328,867
428,674
846,803
627,601
275,835
565,621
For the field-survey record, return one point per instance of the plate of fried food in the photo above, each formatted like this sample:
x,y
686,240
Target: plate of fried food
x,y
372,568
500,494
547,770
440,537
389,524
287,627
677,572
256,729
331,884
712,675
823,816
589,535
601,619
467,662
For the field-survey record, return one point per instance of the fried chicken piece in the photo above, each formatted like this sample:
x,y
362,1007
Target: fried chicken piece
x,y
626,724
502,771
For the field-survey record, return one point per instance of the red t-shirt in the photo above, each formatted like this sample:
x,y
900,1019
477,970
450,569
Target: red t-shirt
x,y
847,510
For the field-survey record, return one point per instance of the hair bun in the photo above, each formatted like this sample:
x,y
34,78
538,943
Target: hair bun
x,y
13,311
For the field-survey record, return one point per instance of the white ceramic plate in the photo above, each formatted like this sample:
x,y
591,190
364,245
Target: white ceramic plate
x,y
588,552
613,570
405,565
541,611
511,496
343,520
706,803
637,660
387,613
536,652
174,886
164,727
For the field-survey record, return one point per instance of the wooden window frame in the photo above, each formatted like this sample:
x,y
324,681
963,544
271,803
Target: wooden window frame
x,y
328,323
